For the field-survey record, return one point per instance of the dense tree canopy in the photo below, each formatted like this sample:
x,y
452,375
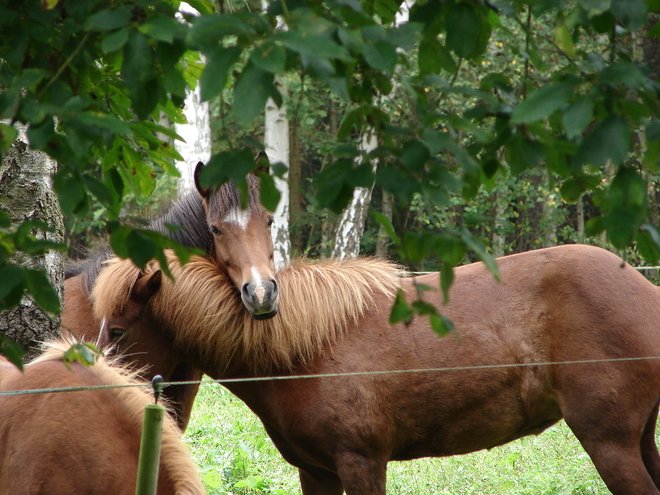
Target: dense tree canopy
x,y
485,91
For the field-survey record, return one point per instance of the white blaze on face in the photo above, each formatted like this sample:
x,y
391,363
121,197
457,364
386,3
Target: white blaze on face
x,y
259,289
238,217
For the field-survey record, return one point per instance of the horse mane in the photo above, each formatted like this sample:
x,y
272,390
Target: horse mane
x,y
175,459
319,300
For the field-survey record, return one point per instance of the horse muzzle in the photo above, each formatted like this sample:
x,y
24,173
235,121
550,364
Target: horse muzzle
x,y
261,298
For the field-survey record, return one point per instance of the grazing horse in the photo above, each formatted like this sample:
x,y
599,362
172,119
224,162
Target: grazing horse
x,y
81,442
581,308
212,220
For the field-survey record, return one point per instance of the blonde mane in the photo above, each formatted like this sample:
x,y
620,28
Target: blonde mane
x,y
175,459
318,303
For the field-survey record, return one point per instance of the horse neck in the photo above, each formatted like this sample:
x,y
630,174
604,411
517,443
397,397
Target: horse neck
x,y
319,303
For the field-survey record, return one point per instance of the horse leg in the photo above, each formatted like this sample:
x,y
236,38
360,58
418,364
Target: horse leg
x,y
649,448
320,482
613,443
361,475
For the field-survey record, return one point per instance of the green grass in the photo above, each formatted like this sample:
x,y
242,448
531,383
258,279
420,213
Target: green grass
x,y
235,456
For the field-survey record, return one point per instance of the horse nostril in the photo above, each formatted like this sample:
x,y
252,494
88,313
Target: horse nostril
x,y
275,287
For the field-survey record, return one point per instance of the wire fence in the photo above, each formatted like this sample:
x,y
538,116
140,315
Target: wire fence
x,y
224,381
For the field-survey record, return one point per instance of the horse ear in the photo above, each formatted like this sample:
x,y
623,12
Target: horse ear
x,y
146,286
203,191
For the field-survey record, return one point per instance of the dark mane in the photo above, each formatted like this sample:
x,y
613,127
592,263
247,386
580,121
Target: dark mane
x,y
187,213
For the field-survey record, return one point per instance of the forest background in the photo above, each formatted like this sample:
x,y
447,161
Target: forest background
x,y
495,127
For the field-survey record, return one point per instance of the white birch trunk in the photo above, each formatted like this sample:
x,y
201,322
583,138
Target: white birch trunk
x,y
196,133
26,193
276,140
351,223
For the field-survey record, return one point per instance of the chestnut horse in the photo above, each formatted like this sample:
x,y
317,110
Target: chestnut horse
x,y
581,308
210,219
83,441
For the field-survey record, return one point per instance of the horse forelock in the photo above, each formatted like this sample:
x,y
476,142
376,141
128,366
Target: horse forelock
x,y
227,198
175,460
318,303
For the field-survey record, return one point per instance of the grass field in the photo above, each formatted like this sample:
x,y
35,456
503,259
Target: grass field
x,y
235,456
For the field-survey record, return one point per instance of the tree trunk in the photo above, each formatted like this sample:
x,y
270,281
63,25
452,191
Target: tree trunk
x,y
295,185
196,133
26,194
383,240
276,139
351,223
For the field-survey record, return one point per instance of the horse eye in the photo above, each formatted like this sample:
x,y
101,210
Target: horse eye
x,y
271,221
215,230
116,333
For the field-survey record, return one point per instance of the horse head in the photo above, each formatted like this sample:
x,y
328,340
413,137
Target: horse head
x,y
128,332
243,243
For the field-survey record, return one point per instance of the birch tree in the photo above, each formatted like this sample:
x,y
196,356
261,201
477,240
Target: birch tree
x,y
26,194
351,222
276,141
195,132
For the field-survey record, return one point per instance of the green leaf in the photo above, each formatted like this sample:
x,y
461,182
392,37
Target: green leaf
x,y
610,140
70,194
478,248
269,57
109,20
441,324
542,102
563,39
253,88
141,248
39,287
11,350
11,278
214,75
446,279
381,55
626,206
463,28
114,41
386,223
227,166
414,155
311,44
164,29
578,116
268,193
648,243
401,310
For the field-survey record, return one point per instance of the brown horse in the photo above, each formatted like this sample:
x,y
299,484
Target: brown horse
x,y
212,220
84,441
579,307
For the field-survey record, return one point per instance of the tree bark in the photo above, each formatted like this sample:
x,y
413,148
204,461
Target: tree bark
x,y
26,194
196,133
383,240
351,223
295,185
276,139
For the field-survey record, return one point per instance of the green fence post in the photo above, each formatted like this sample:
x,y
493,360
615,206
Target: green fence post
x,y
152,429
